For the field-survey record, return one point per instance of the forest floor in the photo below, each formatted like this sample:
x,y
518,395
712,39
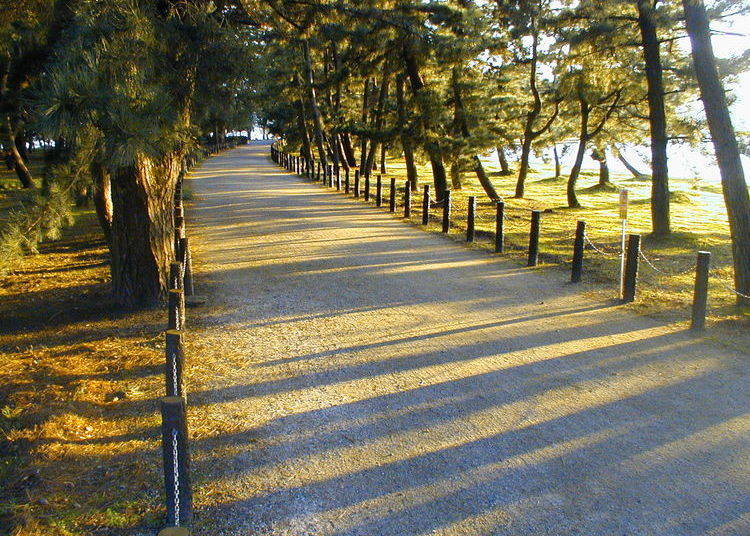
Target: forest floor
x,y
351,374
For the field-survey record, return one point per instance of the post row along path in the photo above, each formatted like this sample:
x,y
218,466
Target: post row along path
x,y
353,375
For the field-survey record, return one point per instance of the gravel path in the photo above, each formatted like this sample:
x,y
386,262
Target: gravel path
x,y
353,375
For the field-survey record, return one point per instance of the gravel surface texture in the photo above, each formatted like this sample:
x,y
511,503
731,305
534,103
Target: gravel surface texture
x,y
354,375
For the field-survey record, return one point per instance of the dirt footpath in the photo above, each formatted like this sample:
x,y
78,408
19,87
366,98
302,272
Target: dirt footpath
x,y
353,375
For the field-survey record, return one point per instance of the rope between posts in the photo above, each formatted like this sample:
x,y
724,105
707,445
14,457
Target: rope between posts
x,y
728,287
601,252
651,264
175,463
174,375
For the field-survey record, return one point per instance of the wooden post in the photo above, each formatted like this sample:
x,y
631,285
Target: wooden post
x,y
392,196
407,201
499,226
379,191
174,441
630,274
176,309
536,216
174,365
700,292
367,186
187,267
426,205
356,182
346,180
447,211
470,217
578,246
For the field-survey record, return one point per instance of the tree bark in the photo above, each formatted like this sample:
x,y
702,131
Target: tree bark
x,y
346,142
406,142
378,118
317,118
455,174
362,137
583,138
103,199
142,229
660,224
601,157
383,151
504,168
733,182
22,171
558,171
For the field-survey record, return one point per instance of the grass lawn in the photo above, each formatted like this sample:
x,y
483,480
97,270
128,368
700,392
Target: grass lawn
x,y
699,222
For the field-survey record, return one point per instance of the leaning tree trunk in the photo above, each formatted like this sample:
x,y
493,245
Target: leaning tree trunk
x,y
455,174
378,119
600,155
383,151
23,173
556,154
103,199
346,142
660,224
362,137
501,158
523,165
630,167
576,170
143,229
733,182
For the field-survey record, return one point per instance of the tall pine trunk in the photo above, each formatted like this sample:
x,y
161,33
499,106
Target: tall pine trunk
x,y
143,229
556,154
431,146
523,163
406,142
583,139
660,224
363,138
733,182
318,130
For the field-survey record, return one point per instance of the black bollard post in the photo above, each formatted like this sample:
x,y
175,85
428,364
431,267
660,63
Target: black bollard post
x,y
470,217
379,191
356,182
447,211
700,292
578,243
175,363
407,201
426,205
367,185
392,196
174,442
175,309
536,216
499,226
630,274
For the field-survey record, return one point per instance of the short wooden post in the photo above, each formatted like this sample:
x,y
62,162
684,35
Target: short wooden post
x,y
356,182
470,217
447,211
174,442
426,205
187,267
392,196
175,275
578,247
630,274
700,292
499,226
367,186
407,201
379,191
174,365
536,216
175,309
